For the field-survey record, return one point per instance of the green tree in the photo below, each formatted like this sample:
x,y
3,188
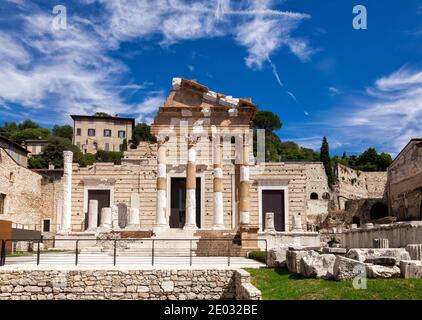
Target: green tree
x,y
36,162
384,161
30,133
267,120
65,131
109,156
8,129
325,159
28,124
141,132
53,152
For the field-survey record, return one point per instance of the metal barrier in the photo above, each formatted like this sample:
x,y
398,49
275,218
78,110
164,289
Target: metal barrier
x,y
115,242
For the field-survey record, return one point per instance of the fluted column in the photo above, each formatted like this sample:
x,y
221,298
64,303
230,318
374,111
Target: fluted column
x,y
218,185
244,190
191,187
161,214
66,221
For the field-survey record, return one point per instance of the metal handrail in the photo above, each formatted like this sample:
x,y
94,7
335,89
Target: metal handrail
x,y
153,253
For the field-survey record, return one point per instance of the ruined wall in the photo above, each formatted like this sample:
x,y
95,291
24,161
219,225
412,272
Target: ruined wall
x,y
316,183
79,284
355,184
24,199
405,183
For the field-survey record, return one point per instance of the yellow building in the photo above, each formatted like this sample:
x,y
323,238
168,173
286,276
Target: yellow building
x,y
101,132
35,147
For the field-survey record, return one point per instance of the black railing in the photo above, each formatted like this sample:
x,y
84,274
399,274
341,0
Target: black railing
x,y
77,248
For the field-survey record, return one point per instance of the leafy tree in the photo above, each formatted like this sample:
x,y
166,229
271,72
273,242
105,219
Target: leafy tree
x,y
325,159
384,161
369,160
267,120
30,133
65,131
109,156
8,129
53,152
36,162
141,132
28,124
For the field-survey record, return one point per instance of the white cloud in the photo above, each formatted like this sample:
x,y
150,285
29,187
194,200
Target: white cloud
x,y
73,71
149,106
333,91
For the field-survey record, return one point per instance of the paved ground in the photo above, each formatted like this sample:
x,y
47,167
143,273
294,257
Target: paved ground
x,y
85,260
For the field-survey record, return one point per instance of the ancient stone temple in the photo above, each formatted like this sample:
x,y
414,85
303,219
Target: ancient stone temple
x,y
200,177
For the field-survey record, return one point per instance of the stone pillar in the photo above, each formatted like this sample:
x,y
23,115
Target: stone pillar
x,y
380,243
218,185
92,214
297,223
269,222
115,217
244,190
415,251
134,221
66,221
105,219
161,214
190,223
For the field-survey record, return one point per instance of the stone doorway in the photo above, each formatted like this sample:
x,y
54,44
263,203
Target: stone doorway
x,y
273,201
103,198
178,202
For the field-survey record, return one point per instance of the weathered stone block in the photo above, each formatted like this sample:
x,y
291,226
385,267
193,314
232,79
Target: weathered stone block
x,y
318,266
382,272
293,259
276,258
405,267
347,269
365,254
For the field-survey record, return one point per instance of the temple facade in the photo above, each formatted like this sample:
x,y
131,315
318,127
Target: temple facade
x,y
202,174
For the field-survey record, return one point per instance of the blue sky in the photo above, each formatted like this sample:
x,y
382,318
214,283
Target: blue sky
x,y
301,59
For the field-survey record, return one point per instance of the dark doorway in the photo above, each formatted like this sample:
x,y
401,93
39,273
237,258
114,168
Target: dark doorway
x,y
356,221
122,216
273,201
103,198
178,202
46,225
379,210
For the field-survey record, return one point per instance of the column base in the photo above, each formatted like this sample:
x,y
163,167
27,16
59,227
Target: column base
x,y
160,227
190,227
218,227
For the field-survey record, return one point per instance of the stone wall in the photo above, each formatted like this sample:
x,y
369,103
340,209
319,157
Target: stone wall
x,y
355,184
405,183
28,196
279,239
80,284
399,235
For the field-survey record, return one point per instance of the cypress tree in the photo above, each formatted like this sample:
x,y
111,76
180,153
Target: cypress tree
x,y
325,159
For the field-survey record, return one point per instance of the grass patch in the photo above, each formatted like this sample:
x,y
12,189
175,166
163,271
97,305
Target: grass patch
x,y
280,284
257,255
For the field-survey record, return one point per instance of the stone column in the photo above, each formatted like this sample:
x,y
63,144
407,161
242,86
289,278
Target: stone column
x,y
218,185
380,243
161,214
115,217
244,189
66,221
134,221
106,218
190,223
92,214
415,251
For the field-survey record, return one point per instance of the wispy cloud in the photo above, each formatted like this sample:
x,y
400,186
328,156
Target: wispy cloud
x,y
74,70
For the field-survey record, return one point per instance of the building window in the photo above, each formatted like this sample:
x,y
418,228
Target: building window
x,y
107,133
91,132
78,131
122,134
34,149
2,200
46,225
314,196
107,146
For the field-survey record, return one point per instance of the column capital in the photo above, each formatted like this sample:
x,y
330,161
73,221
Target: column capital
x,y
162,138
